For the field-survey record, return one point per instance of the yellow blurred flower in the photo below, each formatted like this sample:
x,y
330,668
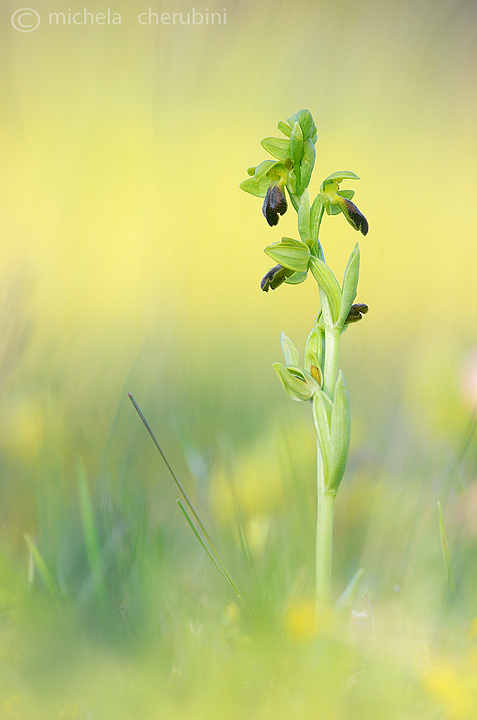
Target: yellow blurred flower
x,y
252,487
69,711
232,614
21,427
257,531
299,620
473,628
12,708
469,377
454,688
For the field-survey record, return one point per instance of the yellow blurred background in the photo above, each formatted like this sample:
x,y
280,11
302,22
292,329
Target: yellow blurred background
x,y
130,260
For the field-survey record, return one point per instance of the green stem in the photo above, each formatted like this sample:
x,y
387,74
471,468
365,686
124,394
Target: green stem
x,y
332,356
325,498
324,539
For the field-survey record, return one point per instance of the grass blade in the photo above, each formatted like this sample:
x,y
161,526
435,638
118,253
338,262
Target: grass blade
x,y
40,564
90,532
205,541
216,562
450,580
347,598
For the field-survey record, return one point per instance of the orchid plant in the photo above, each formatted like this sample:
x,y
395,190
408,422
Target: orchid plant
x,y
318,379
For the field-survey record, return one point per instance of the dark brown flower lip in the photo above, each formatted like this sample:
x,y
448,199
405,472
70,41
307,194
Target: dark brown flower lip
x,y
275,277
275,204
356,217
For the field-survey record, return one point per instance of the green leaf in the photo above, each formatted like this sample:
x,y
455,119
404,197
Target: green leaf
x,y
307,124
278,147
350,285
290,353
294,386
307,162
321,418
284,128
258,188
338,177
340,432
304,217
296,278
328,283
296,149
316,213
292,254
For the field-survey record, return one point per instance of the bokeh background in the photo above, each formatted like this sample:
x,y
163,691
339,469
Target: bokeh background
x,y
131,261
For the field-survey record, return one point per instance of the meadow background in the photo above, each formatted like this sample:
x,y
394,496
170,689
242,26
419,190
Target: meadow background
x,y
131,261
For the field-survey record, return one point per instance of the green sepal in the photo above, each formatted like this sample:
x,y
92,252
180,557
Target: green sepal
x,y
264,168
314,383
329,207
278,147
306,376
314,348
328,283
338,177
296,149
292,254
284,128
258,188
294,386
304,217
290,353
348,194
251,170
297,278
307,162
321,418
340,433
350,285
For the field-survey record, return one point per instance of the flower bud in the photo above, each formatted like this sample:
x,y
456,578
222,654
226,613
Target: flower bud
x,y
356,313
275,204
316,374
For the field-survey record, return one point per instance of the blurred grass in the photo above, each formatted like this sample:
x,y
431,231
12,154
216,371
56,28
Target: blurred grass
x,y
130,261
